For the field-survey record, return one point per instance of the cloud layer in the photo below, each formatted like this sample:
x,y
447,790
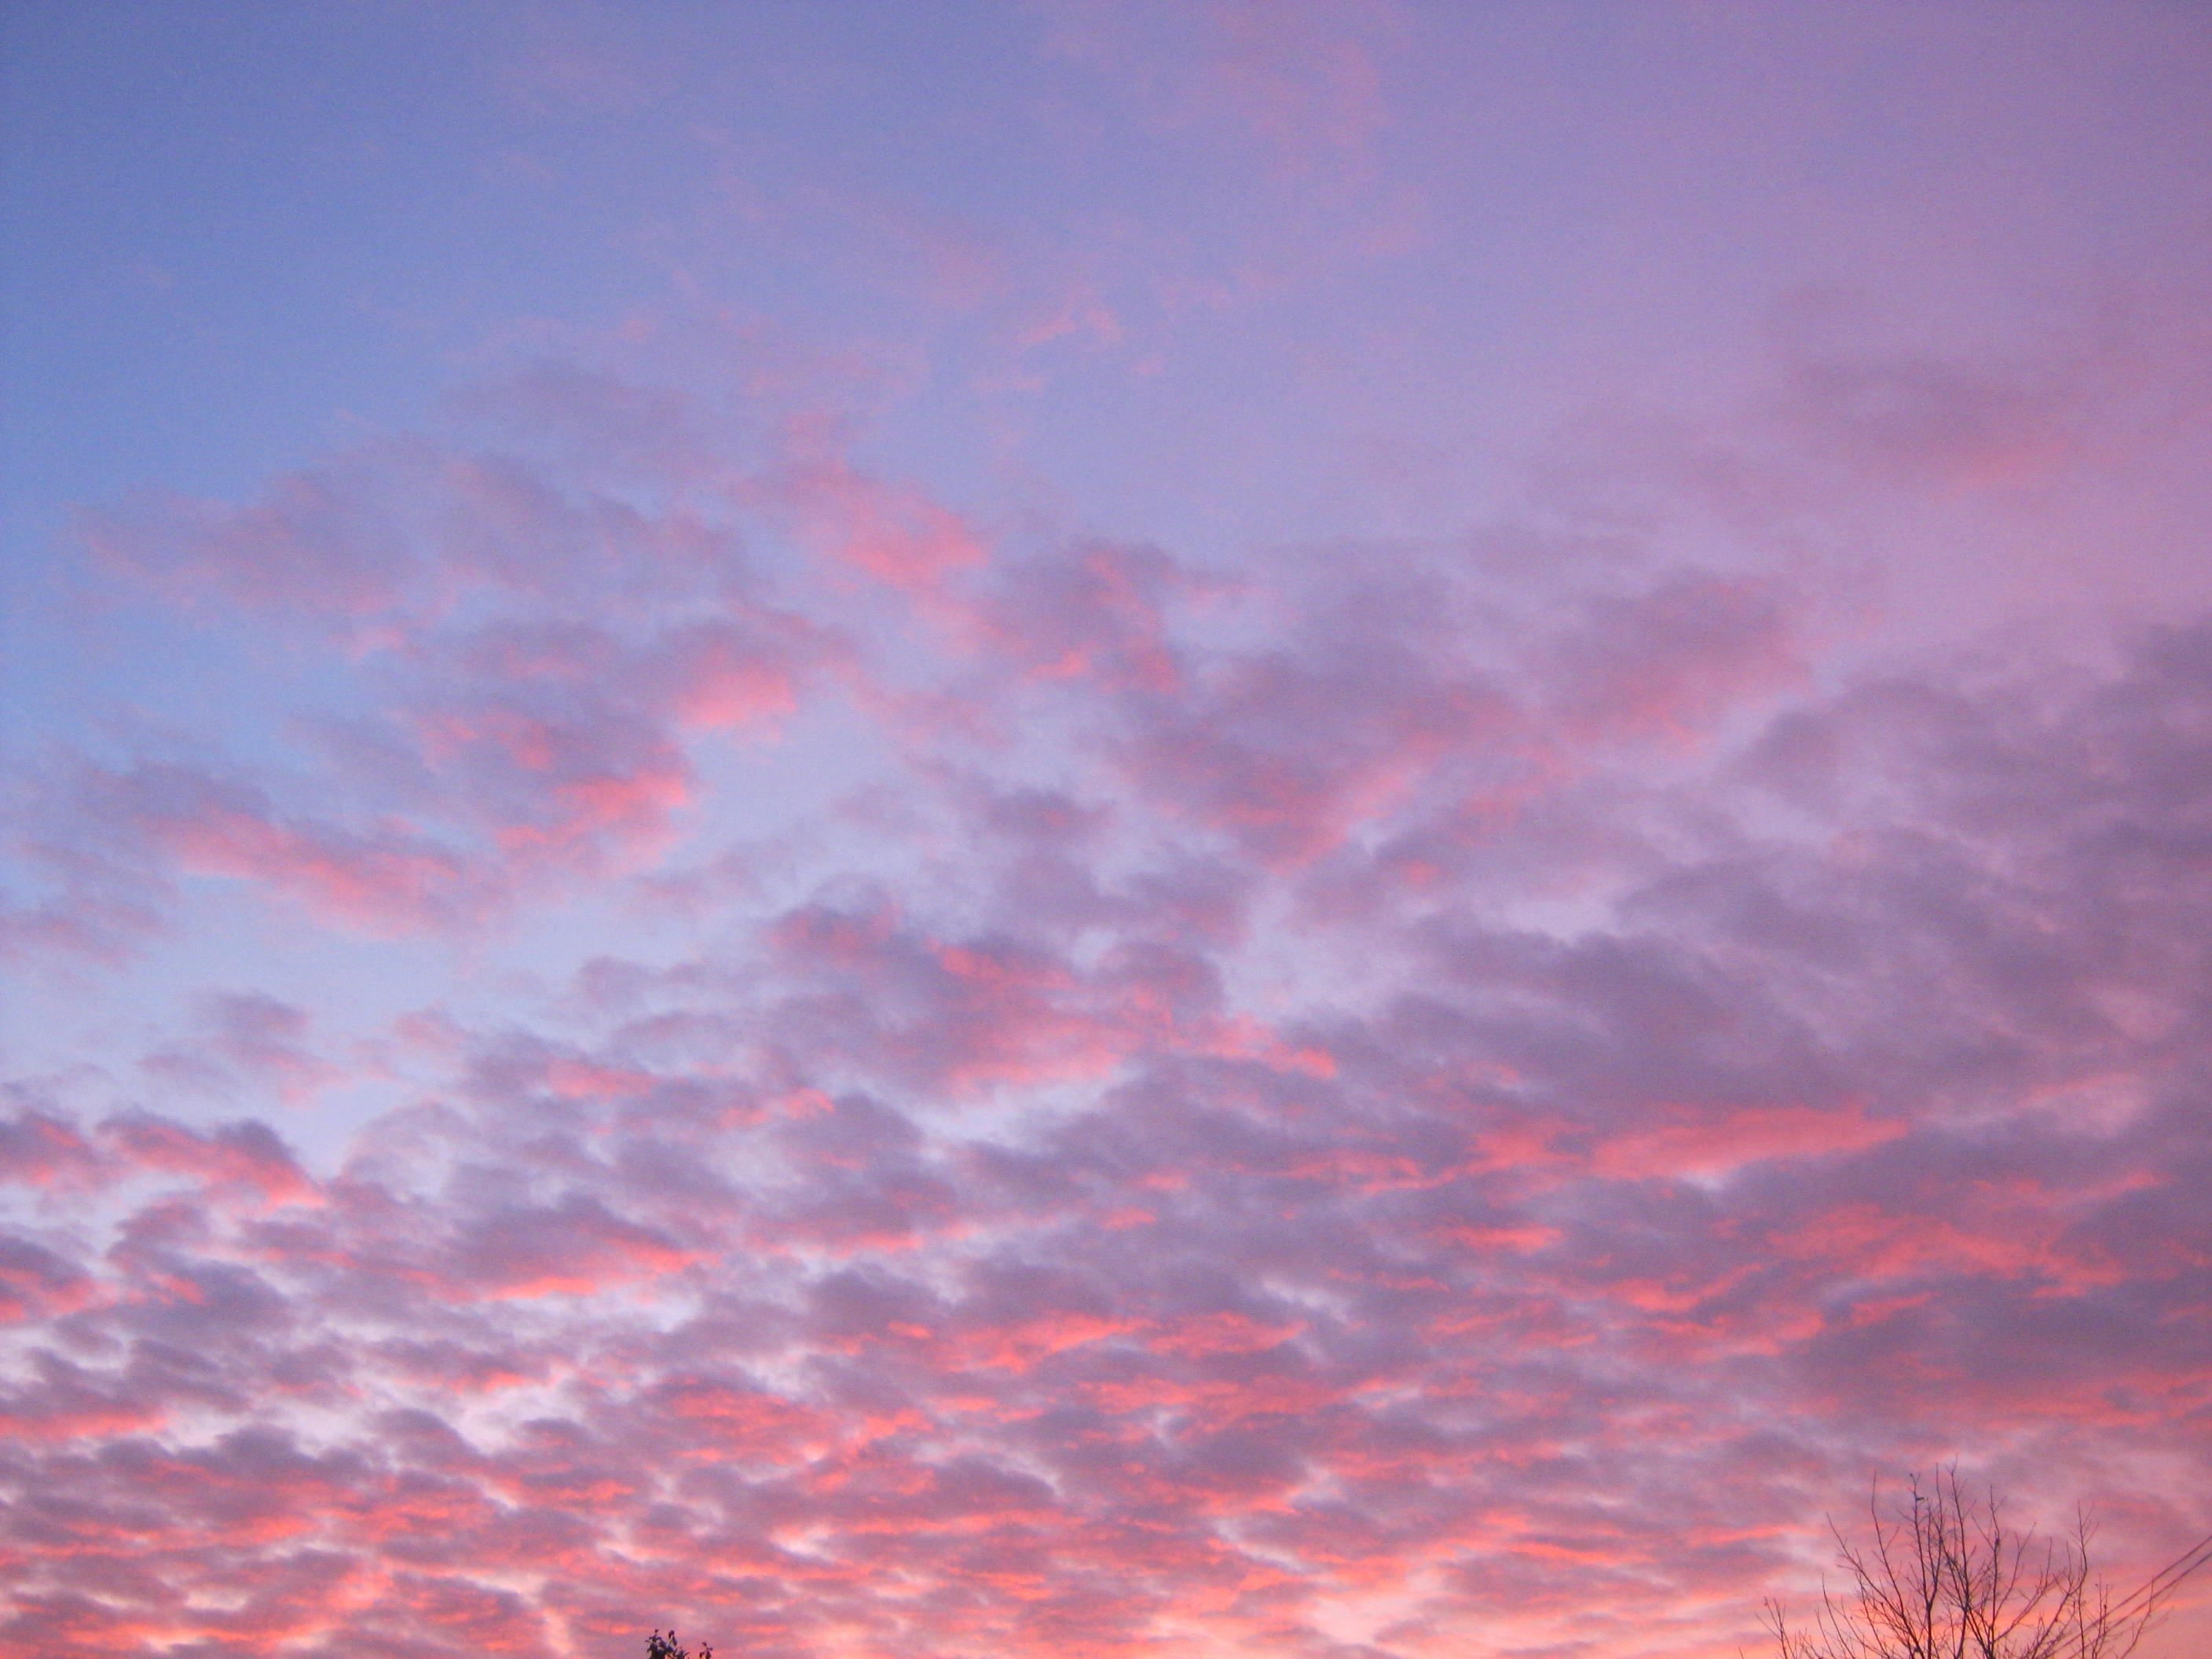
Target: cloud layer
x,y
1353,1104
663,1009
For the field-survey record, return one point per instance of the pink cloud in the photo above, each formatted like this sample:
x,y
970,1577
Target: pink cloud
x,y
36,1282
894,533
1726,1142
245,1154
40,1150
1349,1101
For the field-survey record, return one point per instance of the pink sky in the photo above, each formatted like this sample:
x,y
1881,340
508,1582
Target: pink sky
x,y
1343,830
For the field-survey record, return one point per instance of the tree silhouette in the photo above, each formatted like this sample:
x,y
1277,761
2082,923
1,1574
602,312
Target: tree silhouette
x,y
658,1646
1943,1577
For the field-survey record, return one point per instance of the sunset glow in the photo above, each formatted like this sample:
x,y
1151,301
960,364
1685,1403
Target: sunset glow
x,y
1061,830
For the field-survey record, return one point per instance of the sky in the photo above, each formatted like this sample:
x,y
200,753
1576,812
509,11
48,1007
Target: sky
x,y
1350,830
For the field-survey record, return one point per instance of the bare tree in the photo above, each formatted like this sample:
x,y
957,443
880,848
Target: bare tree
x,y
1943,1577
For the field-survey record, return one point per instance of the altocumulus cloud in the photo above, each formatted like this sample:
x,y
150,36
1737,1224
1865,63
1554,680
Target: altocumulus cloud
x,y
716,1022
1346,1102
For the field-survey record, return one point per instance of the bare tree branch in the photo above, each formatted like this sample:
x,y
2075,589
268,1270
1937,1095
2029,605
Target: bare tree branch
x,y
1941,1575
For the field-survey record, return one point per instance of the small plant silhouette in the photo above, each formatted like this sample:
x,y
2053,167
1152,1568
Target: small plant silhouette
x,y
658,1646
